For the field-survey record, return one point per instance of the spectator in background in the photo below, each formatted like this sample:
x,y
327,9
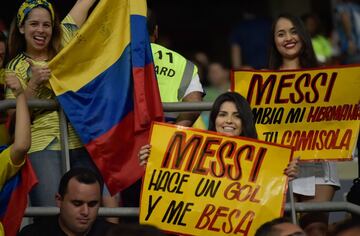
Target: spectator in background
x,y
347,14
322,45
249,39
219,81
201,60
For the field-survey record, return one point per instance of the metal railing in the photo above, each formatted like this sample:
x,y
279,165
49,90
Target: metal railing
x,y
131,211
134,211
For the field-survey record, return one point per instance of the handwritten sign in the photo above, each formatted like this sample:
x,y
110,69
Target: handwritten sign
x,y
317,112
200,183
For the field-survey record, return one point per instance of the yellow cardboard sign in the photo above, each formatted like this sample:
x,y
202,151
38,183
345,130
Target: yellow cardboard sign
x,y
317,112
201,183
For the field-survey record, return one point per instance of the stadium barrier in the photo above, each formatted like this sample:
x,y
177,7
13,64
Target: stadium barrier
x,y
133,211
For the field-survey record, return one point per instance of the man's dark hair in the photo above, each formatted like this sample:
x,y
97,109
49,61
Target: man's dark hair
x,y
83,175
346,225
268,228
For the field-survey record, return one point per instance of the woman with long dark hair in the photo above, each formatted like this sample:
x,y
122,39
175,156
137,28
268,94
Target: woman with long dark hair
x,y
291,49
230,115
243,112
35,37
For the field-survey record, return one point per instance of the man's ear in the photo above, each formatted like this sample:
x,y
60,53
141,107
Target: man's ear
x,y
58,199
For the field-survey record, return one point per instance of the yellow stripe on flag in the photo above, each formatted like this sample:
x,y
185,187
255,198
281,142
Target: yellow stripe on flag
x,y
94,49
138,7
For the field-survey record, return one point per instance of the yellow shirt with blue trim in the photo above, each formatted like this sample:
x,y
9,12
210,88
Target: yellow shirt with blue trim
x,y
45,130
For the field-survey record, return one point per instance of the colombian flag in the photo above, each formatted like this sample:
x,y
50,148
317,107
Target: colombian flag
x,y
105,82
13,198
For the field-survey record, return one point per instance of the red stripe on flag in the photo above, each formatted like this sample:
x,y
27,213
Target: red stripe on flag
x,y
115,154
18,200
147,101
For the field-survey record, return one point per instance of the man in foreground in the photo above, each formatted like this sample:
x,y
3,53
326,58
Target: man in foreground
x,y
79,198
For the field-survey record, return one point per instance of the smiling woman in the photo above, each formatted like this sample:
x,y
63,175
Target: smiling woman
x,y
291,46
37,30
228,121
230,115
35,37
291,49
287,40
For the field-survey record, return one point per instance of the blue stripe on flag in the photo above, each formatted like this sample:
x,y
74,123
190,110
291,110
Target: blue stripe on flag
x,y
102,103
140,41
6,192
